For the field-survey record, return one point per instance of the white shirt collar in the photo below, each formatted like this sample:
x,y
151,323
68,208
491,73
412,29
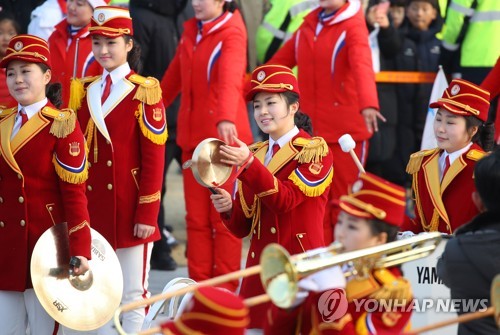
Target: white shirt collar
x,y
33,108
283,139
453,156
116,75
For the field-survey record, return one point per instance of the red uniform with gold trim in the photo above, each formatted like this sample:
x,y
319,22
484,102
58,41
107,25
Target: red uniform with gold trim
x,y
63,55
446,205
283,202
126,137
443,206
361,318
336,82
42,173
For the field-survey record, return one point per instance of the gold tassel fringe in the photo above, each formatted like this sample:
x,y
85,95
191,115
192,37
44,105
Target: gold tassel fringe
x,y
311,191
156,139
70,177
76,94
313,151
149,94
63,127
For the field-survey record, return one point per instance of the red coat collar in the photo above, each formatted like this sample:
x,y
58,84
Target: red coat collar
x,y
62,28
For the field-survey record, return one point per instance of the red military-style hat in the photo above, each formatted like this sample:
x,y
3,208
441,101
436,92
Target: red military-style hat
x,y
273,79
211,311
464,98
28,48
110,21
375,198
98,3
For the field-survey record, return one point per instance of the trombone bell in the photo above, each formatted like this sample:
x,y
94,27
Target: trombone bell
x,y
281,272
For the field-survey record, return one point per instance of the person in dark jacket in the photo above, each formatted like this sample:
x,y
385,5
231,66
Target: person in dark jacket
x,y
471,259
391,147
421,25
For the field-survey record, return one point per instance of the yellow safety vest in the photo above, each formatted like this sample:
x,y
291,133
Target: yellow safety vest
x,y
270,29
480,47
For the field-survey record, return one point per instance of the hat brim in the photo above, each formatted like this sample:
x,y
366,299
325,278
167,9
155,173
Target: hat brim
x,y
454,110
253,92
354,210
6,60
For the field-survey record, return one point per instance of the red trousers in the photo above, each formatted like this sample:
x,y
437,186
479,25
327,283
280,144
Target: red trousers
x,y
211,249
344,175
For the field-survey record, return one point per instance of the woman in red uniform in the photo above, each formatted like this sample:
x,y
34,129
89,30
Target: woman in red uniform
x,y
8,29
336,79
370,215
283,190
43,168
208,70
71,46
125,127
443,177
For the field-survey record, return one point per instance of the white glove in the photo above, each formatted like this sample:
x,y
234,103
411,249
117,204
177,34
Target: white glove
x,y
405,234
324,280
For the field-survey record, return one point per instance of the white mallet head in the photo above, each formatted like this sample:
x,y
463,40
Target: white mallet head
x,y
347,143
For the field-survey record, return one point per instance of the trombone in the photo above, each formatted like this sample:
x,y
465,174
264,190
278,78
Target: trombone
x,y
280,272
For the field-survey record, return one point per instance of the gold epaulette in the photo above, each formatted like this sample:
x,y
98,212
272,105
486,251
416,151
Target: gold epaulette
x,y
77,91
392,287
4,111
313,149
149,90
64,121
416,159
475,154
256,146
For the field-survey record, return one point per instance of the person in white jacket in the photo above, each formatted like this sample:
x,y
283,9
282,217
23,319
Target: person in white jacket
x,y
45,17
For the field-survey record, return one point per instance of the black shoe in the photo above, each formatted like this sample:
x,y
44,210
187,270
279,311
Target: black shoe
x,y
163,263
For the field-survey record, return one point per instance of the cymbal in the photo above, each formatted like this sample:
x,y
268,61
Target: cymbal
x,y
84,302
206,164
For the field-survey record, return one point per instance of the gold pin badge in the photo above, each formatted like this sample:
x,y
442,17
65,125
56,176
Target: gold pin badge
x,y
261,75
315,168
74,149
157,114
18,46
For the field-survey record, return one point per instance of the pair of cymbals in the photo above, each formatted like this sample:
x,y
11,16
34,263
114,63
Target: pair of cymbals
x,y
84,302
208,170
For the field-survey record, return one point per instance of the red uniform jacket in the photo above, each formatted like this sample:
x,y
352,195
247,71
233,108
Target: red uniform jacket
x,y
282,203
42,174
127,148
335,73
63,53
209,75
6,100
364,315
447,205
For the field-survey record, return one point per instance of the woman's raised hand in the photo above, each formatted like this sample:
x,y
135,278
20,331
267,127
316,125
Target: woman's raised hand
x,y
237,155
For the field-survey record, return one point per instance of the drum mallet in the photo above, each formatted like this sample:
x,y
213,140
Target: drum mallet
x,y
347,144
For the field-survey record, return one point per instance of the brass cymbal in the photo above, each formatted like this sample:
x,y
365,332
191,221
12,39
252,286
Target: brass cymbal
x,y
207,168
84,302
